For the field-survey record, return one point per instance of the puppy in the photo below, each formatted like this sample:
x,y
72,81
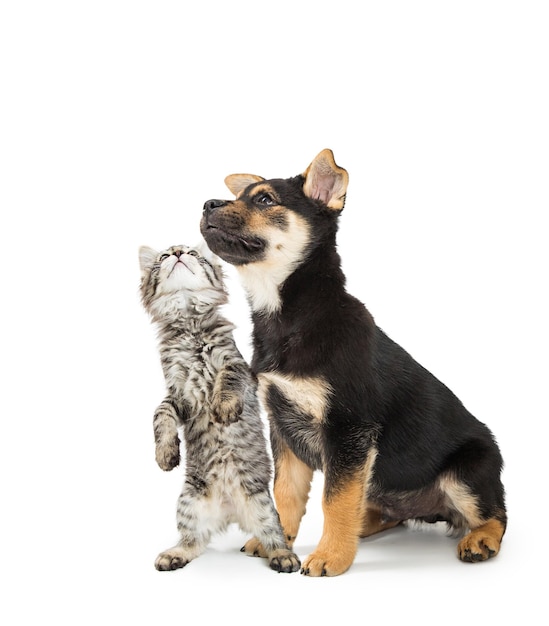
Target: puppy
x,y
393,442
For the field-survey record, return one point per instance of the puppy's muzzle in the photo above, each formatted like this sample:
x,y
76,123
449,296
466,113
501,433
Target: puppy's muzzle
x,y
211,205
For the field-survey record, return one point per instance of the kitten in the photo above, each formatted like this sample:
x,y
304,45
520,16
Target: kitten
x,y
211,395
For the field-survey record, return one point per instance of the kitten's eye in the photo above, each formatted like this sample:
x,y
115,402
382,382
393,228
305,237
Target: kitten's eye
x,y
265,199
163,257
192,252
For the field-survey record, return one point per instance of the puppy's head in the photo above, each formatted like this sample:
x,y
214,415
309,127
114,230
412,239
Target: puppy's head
x,y
268,230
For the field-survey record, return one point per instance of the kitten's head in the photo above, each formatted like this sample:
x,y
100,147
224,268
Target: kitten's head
x,y
180,280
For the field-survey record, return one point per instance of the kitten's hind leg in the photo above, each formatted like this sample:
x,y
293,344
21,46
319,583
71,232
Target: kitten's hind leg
x,y
191,545
173,558
259,516
177,557
192,511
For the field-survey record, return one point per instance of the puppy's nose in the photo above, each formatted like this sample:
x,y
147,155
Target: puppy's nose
x,y
210,205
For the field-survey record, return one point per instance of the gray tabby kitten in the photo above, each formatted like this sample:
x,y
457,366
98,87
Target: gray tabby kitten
x,y
210,394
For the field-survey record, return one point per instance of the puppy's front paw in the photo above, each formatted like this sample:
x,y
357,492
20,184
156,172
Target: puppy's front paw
x,y
167,454
254,547
227,407
324,564
282,560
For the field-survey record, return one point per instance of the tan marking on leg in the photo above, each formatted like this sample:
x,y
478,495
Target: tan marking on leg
x,y
484,540
292,484
310,395
373,522
344,512
343,515
482,543
460,498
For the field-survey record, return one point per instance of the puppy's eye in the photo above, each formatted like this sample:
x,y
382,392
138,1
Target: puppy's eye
x,y
265,199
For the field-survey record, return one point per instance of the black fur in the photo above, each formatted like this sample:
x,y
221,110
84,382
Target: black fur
x,y
379,395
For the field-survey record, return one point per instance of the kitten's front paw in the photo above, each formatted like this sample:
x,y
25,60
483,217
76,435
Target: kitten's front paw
x,y
167,454
227,408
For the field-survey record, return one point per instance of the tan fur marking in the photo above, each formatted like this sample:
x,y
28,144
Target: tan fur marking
x,y
262,279
344,513
310,395
237,183
482,542
373,522
461,499
266,188
260,224
291,491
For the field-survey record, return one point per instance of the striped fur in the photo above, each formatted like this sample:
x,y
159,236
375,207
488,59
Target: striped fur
x,y
212,398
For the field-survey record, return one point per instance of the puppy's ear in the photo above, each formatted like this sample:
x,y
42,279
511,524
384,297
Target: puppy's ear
x,y
326,181
238,182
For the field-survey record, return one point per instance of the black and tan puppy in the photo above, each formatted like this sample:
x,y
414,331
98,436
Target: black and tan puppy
x,y
393,442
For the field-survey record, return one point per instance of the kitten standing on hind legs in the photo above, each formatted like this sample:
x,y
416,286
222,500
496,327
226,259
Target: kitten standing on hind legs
x,y
212,397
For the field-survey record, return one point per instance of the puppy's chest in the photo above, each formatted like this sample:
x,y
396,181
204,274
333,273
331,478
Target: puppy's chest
x,y
298,406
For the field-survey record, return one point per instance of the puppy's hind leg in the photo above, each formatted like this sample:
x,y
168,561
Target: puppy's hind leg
x,y
374,522
483,542
486,520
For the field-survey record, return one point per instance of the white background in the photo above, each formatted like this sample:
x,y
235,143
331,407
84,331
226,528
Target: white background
x,y
118,120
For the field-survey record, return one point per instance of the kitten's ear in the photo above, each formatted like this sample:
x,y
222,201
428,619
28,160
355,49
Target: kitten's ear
x,y
147,258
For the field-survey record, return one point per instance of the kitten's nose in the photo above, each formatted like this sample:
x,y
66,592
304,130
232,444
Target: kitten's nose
x,y
178,253
210,205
